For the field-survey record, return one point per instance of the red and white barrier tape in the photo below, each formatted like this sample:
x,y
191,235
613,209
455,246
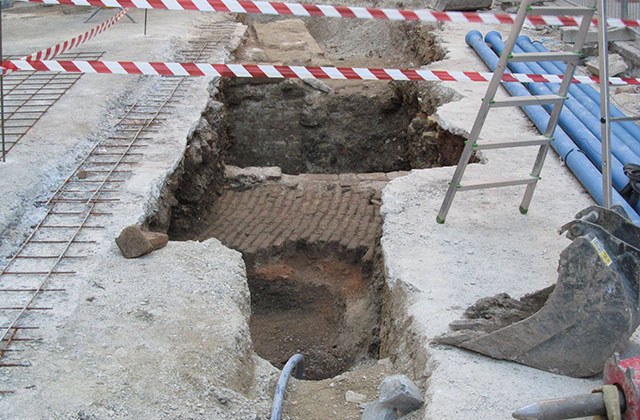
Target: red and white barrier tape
x,y
297,9
286,72
53,51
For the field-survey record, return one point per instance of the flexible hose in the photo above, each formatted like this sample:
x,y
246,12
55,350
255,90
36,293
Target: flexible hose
x,y
296,361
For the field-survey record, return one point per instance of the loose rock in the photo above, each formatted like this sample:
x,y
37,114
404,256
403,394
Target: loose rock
x,y
133,242
378,411
399,392
354,397
158,240
616,65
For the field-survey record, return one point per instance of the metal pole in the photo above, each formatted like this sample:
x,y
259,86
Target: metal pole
x,y
93,14
603,51
145,22
4,149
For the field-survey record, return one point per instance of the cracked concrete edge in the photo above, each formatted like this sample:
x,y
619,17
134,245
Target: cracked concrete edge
x,y
159,184
401,340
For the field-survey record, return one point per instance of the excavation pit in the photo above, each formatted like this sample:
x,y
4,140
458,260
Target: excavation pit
x,y
314,305
337,126
324,127
309,230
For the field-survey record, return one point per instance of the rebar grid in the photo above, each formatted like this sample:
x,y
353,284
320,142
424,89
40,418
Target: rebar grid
x,y
73,207
28,95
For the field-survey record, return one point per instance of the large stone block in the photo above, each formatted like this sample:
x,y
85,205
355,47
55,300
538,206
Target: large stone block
x,y
616,65
441,5
401,393
570,34
378,411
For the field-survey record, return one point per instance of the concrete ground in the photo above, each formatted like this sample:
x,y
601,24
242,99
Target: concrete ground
x,y
42,160
116,346
485,247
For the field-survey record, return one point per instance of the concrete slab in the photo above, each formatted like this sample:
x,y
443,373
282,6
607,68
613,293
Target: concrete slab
x,y
486,247
150,339
570,34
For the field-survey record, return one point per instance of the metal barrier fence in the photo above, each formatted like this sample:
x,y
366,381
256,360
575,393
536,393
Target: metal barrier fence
x,y
619,9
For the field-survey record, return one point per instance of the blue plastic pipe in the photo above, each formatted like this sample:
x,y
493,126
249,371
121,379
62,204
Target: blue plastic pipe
x,y
588,175
619,148
568,121
577,95
629,126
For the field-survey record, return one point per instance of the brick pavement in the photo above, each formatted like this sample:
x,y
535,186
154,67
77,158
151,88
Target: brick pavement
x,y
270,218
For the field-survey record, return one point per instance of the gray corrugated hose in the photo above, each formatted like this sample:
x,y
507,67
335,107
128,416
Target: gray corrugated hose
x,y
296,361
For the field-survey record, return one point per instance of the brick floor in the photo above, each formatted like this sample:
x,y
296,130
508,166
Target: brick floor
x,y
266,219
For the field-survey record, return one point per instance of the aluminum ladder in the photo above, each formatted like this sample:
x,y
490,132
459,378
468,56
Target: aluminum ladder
x,y
488,102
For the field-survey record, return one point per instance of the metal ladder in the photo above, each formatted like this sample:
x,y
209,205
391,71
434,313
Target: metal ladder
x,y
488,102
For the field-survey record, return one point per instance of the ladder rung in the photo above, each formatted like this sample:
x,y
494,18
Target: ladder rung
x,y
618,119
501,144
528,100
497,184
560,11
544,56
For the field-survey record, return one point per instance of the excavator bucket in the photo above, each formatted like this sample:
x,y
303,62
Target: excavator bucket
x,y
571,328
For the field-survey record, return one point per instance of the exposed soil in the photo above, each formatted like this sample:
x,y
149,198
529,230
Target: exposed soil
x,y
493,313
326,399
502,310
305,304
311,128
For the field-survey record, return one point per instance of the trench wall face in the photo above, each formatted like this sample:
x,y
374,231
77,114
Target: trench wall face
x,y
310,128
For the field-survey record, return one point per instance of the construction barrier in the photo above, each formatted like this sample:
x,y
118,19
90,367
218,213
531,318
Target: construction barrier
x,y
55,50
298,9
267,71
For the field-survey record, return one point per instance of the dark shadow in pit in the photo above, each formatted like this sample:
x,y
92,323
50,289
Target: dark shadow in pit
x,y
337,126
316,127
319,306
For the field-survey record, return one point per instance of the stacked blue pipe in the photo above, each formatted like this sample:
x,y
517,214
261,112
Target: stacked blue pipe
x,y
586,95
574,121
558,67
580,165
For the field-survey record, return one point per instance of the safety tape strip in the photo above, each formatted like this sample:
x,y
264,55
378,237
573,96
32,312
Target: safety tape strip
x,y
287,72
51,52
299,9
55,50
